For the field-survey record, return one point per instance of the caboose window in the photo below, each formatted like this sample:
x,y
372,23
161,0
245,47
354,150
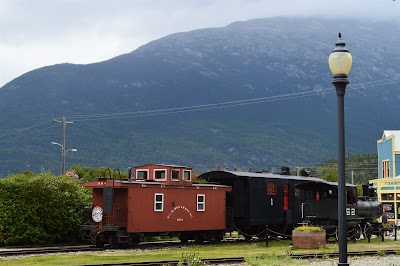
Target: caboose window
x,y
201,201
186,175
158,202
272,188
175,175
142,174
160,174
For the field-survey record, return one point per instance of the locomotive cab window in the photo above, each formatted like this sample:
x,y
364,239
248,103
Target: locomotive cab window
x,y
142,174
186,175
175,175
351,197
160,174
201,201
158,202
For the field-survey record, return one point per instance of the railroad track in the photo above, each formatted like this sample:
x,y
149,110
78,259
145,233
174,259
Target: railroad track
x,y
46,250
174,262
242,259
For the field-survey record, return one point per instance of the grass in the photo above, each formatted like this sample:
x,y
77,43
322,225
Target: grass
x,y
255,253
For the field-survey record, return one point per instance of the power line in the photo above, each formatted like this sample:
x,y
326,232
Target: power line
x,y
80,118
203,107
24,129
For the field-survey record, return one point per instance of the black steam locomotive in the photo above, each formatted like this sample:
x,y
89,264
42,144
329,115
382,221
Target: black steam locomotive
x,y
281,202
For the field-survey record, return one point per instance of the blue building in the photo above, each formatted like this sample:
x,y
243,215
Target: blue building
x,y
388,182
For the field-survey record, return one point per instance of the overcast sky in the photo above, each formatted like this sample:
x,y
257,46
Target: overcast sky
x,y
39,33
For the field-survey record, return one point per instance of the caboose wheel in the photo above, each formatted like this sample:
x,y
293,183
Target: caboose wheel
x,y
113,241
198,238
97,239
183,237
219,236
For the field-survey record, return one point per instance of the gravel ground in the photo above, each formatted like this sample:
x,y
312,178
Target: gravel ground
x,y
388,260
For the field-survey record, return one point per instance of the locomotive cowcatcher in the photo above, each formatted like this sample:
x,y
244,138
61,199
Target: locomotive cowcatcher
x,y
158,199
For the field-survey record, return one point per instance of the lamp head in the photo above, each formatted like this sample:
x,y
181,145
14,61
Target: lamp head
x,y
340,60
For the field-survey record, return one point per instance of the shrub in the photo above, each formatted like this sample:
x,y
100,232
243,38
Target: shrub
x,y
40,209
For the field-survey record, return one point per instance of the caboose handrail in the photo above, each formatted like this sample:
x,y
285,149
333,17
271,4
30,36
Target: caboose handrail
x,y
105,173
119,173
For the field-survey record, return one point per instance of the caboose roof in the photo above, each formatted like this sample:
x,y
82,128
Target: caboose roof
x,y
164,165
121,183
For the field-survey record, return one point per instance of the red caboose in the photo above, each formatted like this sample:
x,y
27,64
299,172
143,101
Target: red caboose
x,y
158,199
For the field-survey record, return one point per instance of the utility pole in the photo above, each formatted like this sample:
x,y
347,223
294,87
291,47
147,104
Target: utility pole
x,y
64,123
352,177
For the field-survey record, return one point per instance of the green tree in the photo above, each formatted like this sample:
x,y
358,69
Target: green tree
x,y
87,174
331,175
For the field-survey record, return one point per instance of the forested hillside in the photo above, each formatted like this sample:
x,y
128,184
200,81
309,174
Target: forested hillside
x,y
361,168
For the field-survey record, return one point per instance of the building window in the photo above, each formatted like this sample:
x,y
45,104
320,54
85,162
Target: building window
x,y
387,196
385,169
142,174
175,175
389,208
201,202
160,174
186,175
272,188
158,202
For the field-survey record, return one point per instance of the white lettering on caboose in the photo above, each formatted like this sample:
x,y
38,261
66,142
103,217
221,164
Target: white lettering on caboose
x,y
177,208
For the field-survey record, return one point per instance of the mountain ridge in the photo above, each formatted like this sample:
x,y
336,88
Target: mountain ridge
x,y
245,60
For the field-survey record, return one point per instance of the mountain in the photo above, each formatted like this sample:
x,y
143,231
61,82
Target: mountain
x,y
281,62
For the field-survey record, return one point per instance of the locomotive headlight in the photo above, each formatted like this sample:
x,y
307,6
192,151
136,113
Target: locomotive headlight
x,y
97,214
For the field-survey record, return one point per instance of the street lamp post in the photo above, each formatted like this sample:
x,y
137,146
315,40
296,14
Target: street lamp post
x,y
340,62
63,152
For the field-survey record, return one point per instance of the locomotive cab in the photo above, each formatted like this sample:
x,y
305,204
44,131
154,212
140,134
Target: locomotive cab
x,y
320,202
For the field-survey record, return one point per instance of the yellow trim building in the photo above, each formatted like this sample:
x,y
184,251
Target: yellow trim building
x,y
387,184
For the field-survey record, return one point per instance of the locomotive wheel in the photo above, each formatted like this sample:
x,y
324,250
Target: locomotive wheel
x,y
368,230
248,237
337,233
358,232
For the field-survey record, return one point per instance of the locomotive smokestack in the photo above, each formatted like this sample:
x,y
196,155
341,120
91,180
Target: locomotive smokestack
x,y
285,170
